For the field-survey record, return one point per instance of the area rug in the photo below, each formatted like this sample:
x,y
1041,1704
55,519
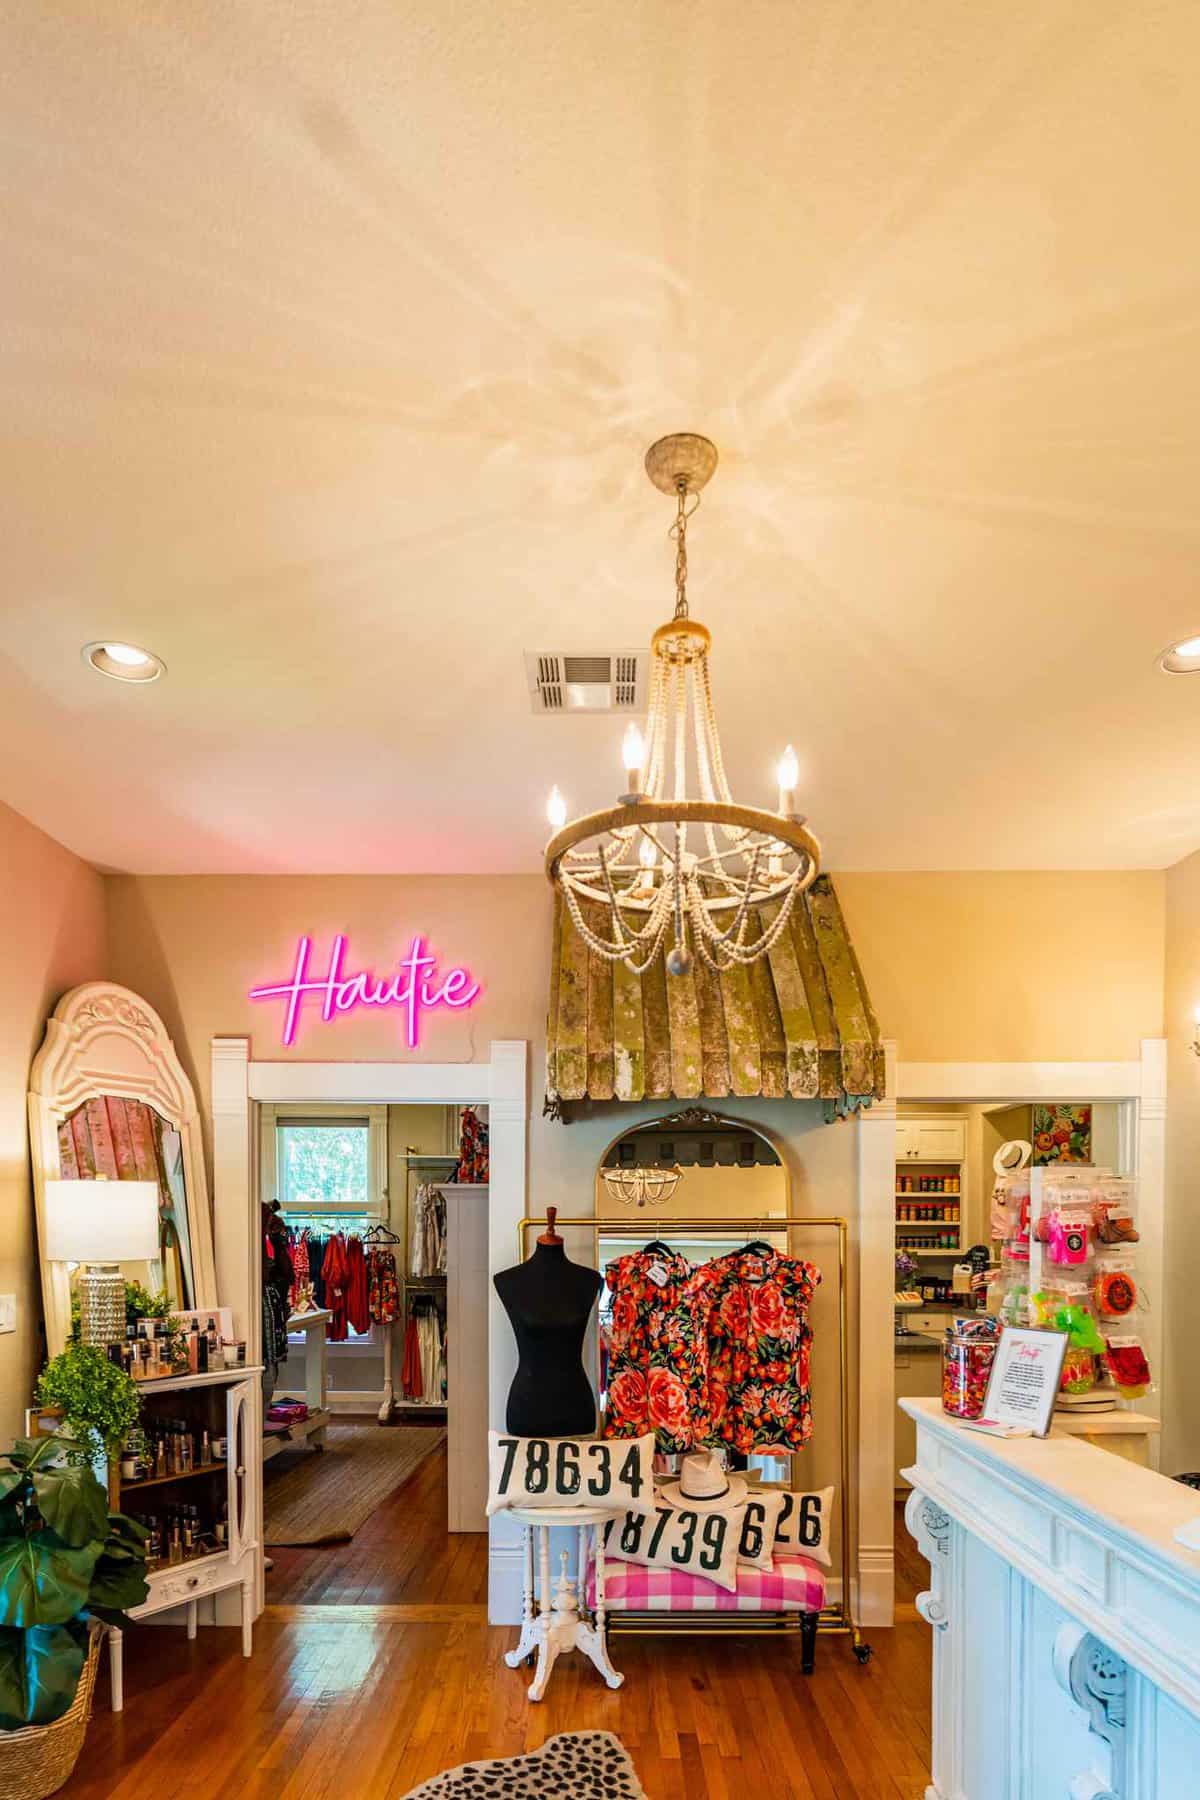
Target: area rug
x,y
578,1765
323,1497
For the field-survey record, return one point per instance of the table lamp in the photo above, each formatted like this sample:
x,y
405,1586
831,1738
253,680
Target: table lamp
x,y
99,1224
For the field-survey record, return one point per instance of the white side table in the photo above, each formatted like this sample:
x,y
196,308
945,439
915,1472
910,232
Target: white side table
x,y
553,1620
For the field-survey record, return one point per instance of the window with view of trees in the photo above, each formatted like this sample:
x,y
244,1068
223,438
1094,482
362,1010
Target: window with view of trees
x,y
323,1165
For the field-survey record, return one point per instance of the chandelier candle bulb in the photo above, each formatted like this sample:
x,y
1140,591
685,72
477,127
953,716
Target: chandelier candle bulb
x,y
633,755
788,775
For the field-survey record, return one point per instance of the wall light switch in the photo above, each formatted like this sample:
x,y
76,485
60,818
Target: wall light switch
x,y
8,1312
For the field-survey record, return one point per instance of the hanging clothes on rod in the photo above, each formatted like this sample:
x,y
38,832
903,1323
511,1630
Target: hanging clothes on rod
x,y
423,1375
428,1255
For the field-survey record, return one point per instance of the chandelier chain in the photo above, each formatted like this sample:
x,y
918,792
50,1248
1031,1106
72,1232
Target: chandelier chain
x,y
679,532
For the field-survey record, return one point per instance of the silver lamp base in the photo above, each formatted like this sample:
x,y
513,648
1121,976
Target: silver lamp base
x,y
101,1305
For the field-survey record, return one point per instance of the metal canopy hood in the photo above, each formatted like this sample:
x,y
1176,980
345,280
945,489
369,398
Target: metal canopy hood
x,y
796,1025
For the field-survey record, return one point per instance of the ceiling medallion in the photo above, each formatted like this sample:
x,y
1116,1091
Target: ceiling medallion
x,y
660,861
642,1187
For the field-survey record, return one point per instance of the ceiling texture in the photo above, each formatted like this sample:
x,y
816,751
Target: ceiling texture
x,y
332,336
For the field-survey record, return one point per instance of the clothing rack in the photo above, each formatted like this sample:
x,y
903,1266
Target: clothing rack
x,y
836,1619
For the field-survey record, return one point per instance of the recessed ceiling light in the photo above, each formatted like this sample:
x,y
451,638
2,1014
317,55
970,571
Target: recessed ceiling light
x,y
124,662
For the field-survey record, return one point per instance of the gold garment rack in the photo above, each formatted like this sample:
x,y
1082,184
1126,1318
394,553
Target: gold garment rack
x,y
836,1619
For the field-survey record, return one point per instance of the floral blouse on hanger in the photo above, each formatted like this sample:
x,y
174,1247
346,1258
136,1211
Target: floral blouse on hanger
x,y
654,1377
745,1317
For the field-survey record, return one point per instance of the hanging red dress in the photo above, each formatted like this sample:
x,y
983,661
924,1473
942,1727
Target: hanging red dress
x,y
358,1306
335,1274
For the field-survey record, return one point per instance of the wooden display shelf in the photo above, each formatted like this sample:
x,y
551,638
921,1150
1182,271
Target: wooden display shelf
x,y
135,1487
929,1224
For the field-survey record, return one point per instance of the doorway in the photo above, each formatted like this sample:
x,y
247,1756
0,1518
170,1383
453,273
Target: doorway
x,y
374,1215
475,1368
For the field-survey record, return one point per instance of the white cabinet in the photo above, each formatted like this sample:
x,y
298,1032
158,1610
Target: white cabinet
x,y
236,1483
931,1140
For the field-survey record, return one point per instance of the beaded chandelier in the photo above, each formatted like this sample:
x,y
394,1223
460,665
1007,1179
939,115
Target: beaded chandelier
x,y
642,1187
659,861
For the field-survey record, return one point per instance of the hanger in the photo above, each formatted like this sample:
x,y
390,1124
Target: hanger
x,y
550,1236
656,1247
379,1233
756,1248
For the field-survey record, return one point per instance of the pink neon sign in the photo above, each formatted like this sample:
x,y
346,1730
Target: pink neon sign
x,y
415,988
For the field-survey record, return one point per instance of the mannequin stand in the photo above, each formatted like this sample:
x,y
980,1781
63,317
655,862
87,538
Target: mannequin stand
x,y
555,1625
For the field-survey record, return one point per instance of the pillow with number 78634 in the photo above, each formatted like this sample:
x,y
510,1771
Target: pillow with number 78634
x,y
613,1473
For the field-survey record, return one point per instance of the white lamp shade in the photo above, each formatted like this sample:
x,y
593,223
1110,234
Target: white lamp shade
x,y
101,1221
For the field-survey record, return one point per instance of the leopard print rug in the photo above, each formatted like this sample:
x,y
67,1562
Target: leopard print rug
x,y
578,1765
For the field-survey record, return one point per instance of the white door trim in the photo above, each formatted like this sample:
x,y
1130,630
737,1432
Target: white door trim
x,y
240,1085
1140,1088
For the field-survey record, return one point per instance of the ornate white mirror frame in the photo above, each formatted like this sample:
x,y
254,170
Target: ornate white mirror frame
x,y
105,1040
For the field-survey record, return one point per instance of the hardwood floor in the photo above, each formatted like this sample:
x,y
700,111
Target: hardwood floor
x,y
374,1668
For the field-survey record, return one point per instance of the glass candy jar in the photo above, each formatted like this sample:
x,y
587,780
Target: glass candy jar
x,y
967,1357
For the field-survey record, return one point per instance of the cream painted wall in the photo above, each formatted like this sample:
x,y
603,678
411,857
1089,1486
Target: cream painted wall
x,y
52,937
1181,1248
997,967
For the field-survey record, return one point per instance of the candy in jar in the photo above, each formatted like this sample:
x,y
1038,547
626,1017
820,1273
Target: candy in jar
x,y
967,1355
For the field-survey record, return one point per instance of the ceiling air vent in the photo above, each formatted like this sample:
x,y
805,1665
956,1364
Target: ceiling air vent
x,y
563,683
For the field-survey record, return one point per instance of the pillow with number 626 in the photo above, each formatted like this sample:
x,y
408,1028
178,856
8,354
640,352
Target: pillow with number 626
x,y
803,1525
613,1473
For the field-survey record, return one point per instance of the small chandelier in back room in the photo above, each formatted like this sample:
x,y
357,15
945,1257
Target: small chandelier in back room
x,y
629,874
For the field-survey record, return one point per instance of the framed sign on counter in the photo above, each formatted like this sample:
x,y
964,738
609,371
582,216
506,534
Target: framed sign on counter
x,y
1023,1384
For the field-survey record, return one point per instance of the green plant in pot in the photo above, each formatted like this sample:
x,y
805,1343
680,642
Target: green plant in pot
x,y
99,1402
64,1560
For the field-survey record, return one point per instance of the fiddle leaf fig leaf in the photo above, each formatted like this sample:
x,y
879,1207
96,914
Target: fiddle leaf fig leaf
x,y
39,1673
124,1530
117,1584
73,1504
42,1580
10,1481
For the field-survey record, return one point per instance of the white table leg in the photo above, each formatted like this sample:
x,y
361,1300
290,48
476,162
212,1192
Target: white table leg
x,y
247,1621
547,1647
191,1618
116,1667
528,1640
590,1638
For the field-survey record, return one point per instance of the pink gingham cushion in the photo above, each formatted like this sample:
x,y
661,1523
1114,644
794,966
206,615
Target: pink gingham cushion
x,y
793,1584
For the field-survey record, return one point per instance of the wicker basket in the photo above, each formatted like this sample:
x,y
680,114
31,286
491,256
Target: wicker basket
x,y
37,1761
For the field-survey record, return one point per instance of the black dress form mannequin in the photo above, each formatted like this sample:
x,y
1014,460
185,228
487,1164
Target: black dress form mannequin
x,y
549,1300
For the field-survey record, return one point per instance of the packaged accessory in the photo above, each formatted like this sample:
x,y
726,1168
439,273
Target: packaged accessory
x,y
1084,1344
1127,1365
1067,1236
1112,1211
1114,1290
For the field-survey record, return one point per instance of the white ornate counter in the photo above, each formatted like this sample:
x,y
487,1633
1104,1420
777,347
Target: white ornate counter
x,y
1066,1645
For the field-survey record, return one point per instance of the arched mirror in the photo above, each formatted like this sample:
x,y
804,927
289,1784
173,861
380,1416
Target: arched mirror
x,y
109,1102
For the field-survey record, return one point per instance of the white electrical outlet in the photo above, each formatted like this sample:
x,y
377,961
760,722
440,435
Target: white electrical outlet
x,y
8,1312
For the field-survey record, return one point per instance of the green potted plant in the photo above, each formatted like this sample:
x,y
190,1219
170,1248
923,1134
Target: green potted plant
x,y
66,1563
99,1402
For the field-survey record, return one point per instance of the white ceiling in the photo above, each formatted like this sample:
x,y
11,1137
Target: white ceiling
x,y
332,335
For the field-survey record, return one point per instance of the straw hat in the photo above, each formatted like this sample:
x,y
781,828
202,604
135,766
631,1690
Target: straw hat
x,y
703,1485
